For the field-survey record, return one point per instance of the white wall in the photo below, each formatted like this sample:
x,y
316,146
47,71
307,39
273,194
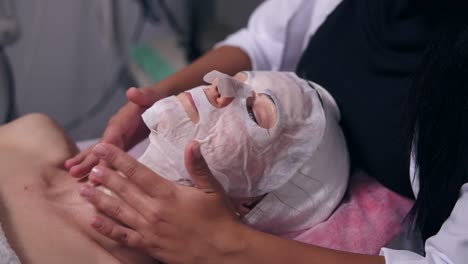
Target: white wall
x,y
62,64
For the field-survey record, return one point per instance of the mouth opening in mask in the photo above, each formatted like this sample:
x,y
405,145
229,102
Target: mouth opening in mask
x,y
190,108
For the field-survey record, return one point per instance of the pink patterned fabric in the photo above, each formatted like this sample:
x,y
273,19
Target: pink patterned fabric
x,y
369,217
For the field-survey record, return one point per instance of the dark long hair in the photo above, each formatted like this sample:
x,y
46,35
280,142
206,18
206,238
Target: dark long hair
x,y
438,122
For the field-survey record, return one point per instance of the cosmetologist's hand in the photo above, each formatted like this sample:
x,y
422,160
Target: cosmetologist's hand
x,y
170,222
124,130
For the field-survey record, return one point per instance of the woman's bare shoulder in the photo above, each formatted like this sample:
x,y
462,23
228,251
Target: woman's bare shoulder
x,y
38,136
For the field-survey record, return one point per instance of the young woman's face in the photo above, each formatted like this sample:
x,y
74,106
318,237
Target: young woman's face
x,y
261,108
254,129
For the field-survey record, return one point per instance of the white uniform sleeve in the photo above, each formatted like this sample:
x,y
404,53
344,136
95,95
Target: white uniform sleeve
x,y
277,26
448,246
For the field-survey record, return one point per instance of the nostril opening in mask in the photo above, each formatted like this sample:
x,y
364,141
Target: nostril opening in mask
x,y
213,89
216,88
215,98
221,101
224,101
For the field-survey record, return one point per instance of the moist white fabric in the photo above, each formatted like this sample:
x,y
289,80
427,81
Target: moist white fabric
x,y
301,163
311,195
228,86
167,120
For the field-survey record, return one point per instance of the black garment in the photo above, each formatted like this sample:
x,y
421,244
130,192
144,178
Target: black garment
x,y
364,55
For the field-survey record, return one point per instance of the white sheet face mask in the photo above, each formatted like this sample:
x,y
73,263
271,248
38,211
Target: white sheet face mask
x,y
247,160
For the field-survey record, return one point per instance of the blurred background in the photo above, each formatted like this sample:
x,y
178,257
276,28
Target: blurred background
x,y
73,60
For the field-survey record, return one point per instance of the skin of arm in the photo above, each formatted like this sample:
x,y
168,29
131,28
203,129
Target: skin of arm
x,y
227,59
265,248
126,128
180,224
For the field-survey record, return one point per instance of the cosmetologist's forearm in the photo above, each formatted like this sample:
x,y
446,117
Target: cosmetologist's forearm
x,y
226,59
257,247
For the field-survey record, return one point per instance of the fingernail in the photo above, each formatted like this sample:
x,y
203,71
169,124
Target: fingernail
x,y
196,150
86,191
100,150
96,173
68,161
75,168
97,223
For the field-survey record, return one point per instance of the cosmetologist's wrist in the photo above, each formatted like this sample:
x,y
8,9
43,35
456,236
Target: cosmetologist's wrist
x,y
237,244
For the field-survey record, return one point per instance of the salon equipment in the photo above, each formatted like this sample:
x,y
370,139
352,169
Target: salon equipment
x,y
113,34
9,33
7,90
149,11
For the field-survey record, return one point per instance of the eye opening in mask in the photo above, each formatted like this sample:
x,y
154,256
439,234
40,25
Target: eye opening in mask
x,y
262,110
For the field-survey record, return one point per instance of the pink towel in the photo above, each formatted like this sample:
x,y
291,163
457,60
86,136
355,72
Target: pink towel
x,y
368,218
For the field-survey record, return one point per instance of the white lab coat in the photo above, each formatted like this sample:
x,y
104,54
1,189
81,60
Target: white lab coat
x,y
277,34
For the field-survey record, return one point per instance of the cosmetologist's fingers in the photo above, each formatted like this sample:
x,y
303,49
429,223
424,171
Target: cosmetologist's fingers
x,y
85,166
122,187
199,170
117,232
144,97
144,178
